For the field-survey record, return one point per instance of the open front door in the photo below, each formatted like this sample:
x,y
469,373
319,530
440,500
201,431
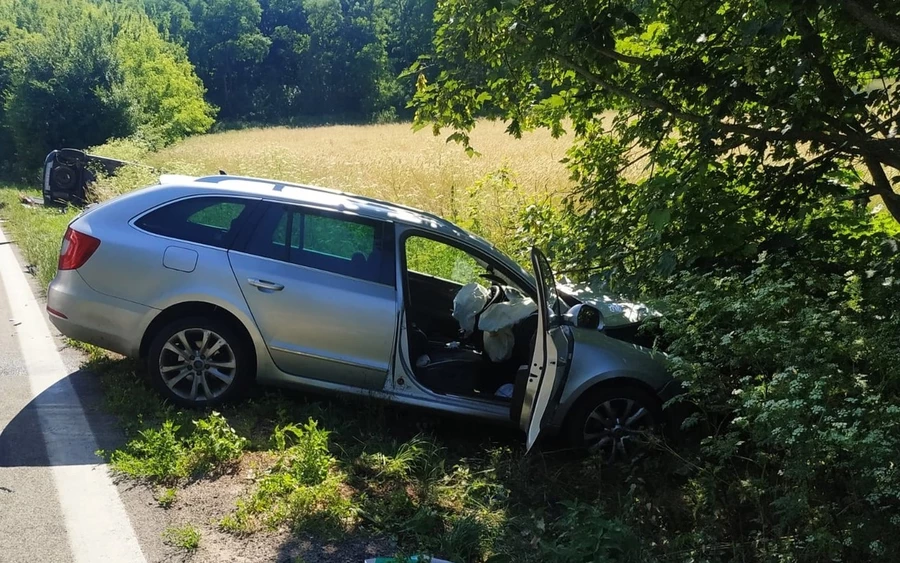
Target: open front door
x,y
550,359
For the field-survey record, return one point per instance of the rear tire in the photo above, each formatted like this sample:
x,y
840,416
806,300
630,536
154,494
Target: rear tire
x,y
199,362
613,422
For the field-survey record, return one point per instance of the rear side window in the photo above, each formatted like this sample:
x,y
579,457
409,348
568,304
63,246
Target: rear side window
x,y
205,220
342,244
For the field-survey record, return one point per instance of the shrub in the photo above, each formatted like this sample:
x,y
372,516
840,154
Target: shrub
x,y
166,454
214,443
302,487
186,537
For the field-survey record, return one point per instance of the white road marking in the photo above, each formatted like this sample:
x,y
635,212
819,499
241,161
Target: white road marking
x,y
97,524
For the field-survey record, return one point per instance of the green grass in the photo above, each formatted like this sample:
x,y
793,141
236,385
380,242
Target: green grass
x,y
186,537
166,496
168,453
302,488
36,231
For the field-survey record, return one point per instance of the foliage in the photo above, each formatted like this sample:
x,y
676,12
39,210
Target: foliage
x,y
761,132
66,69
301,488
166,454
186,537
161,84
75,73
166,496
746,118
586,533
306,59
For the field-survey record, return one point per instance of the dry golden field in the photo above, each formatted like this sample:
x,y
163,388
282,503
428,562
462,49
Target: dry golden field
x,y
386,161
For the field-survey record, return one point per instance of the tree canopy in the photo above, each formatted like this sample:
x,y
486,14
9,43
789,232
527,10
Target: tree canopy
x,y
162,69
746,119
75,74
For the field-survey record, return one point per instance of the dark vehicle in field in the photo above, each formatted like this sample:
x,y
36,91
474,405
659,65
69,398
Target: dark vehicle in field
x,y
69,172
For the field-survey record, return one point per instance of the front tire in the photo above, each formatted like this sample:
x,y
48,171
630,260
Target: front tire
x,y
199,362
613,422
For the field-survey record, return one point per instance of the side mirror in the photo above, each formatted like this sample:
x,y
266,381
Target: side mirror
x,y
585,316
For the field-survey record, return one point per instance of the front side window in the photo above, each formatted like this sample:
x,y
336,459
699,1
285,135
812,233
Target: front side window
x,y
440,260
334,242
206,220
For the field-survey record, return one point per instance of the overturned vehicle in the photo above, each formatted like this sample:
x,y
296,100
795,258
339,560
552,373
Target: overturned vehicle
x,y
68,174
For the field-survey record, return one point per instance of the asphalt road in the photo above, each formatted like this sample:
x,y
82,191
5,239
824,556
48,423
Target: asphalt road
x,y
57,499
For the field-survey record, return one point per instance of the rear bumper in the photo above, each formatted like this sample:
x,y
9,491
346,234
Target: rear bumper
x,y
108,322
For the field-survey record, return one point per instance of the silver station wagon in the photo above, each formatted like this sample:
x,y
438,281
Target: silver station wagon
x,y
221,281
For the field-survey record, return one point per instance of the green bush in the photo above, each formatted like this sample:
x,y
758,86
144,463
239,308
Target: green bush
x,y
302,488
214,443
186,537
75,73
167,454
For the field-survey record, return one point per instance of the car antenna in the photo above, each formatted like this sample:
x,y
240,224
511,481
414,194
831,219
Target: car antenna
x,y
222,173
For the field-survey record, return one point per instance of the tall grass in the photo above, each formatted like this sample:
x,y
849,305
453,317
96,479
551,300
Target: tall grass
x,y
36,231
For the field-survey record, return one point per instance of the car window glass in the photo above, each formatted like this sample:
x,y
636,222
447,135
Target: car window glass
x,y
346,245
337,238
218,216
433,258
206,220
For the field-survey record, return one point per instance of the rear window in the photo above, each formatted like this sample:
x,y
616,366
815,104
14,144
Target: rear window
x,y
205,220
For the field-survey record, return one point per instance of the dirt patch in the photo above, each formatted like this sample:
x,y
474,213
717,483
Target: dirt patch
x,y
203,503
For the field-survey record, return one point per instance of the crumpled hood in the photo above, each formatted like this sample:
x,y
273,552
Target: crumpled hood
x,y
616,310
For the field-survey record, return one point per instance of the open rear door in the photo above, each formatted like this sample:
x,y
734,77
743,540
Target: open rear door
x,y
550,359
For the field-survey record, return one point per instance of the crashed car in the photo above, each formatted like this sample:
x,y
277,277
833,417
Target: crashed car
x,y
69,172
220,281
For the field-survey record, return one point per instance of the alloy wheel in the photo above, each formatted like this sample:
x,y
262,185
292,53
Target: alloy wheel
x,y
616,428
197,364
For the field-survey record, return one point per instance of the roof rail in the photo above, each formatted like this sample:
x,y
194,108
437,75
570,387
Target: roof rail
x,y
215,179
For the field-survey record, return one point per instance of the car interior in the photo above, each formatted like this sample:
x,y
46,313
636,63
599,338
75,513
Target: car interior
x,y
444,358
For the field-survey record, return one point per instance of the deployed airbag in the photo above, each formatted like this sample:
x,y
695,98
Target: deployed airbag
x,y
496,321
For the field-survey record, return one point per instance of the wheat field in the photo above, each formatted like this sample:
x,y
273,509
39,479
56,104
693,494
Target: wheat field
x,y
385,161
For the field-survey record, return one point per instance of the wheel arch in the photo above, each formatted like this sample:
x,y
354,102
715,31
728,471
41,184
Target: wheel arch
x,y
197,308
602,381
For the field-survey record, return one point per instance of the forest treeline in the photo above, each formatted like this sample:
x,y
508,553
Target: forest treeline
x,y
79,72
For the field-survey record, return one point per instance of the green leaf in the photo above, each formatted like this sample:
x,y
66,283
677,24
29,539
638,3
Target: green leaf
x,y
659,218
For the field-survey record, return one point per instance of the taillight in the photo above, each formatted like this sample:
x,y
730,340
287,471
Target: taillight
x,y
76,249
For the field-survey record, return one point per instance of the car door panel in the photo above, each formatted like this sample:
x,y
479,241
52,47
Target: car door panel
x,y
550,360
318,324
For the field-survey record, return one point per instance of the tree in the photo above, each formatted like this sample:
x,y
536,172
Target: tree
x,y
747,118
65,88
226,45
162,86
75,74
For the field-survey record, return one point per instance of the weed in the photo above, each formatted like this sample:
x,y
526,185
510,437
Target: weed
x,y
158,454
302,488
214,443
37,231
166,496
166,454
186,537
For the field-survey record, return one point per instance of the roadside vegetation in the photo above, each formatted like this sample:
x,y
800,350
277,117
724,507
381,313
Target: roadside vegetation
x,y
185,537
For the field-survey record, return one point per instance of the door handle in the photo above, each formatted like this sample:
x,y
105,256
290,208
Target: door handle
x,y
265,285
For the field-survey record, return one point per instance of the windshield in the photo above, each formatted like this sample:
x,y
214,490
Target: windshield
x,y
546,281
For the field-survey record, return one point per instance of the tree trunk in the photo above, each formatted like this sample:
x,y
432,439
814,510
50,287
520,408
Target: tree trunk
x,y
879,26
882,187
